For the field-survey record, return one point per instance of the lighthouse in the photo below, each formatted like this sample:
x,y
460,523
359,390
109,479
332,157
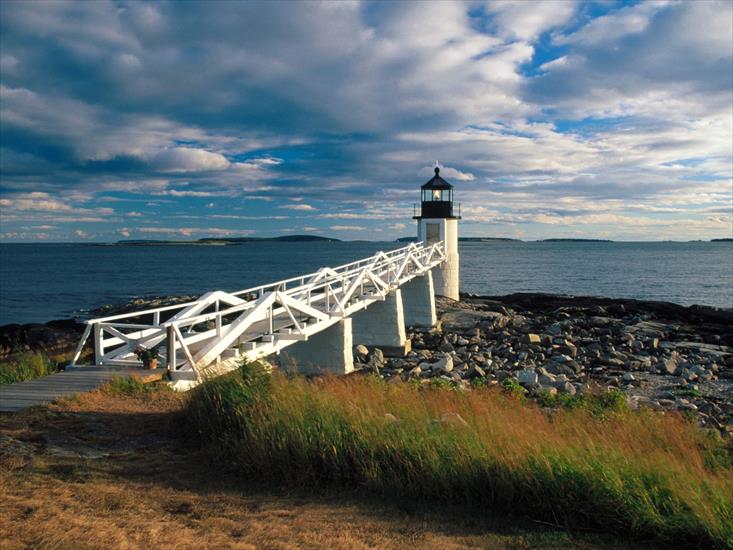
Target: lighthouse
x,y
435,223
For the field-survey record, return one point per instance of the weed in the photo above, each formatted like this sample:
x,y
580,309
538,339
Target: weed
x,y
512,387
599,405
688,393
129,385
439,383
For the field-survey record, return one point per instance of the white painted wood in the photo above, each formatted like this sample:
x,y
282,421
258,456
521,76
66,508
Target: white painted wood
x,y
267,323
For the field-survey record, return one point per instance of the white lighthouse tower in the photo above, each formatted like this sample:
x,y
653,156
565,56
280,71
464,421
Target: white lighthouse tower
x,y
435,223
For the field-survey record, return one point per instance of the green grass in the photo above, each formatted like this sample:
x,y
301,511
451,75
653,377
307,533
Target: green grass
x,y
598,404
132,386
639,474
688,393
27,366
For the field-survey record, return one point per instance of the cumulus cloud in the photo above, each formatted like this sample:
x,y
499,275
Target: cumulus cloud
x,y
526,19
187,159
547,114
448,172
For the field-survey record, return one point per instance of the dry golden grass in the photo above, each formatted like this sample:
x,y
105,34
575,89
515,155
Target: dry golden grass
x,y
146,488
642,474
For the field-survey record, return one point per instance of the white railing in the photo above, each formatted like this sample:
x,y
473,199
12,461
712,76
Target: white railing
x,y
256,321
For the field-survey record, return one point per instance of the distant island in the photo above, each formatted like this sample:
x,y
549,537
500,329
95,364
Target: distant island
x,y
223,241
725,240
575,241
487,239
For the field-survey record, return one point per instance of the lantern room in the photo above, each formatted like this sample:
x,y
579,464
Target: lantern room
x,y
436,198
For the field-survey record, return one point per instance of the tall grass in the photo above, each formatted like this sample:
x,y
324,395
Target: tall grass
x,y
637,473
26,366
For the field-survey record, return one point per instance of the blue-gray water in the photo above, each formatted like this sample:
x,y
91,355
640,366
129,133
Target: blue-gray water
x,y
40,282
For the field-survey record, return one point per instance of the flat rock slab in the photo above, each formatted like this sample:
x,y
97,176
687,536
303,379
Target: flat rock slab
x,y
713,349
21,395
461,319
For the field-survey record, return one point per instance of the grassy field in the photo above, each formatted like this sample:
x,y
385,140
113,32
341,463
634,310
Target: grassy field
x,y
590,465
115,468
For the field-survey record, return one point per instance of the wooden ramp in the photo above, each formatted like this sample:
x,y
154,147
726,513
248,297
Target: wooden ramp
x,y
21,395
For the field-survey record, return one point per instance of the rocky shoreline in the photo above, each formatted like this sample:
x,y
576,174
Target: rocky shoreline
x,y
660,355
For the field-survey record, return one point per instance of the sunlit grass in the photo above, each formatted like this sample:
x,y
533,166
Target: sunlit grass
x,y
26,366
131,386
595,465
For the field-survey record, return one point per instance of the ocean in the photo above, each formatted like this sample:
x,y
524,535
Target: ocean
x,y
41,282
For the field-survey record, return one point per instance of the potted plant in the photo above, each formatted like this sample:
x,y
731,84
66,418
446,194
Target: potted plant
x,y
149,357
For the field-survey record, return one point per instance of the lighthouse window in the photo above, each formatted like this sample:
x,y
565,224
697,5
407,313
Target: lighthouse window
x,y
436,195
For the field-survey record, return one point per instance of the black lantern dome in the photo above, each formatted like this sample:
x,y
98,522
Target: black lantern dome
x,y
436,199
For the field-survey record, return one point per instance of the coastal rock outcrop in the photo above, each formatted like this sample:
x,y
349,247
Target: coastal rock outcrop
x,y
663,356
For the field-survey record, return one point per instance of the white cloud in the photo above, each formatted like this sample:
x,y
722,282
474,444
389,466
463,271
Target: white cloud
x,y
300,206
196,231
526,19
43,202
447,172
347,228
625,21
186,159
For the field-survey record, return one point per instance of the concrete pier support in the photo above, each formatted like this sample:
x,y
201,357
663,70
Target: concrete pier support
x,y
382,325
447,282
330,350
418,301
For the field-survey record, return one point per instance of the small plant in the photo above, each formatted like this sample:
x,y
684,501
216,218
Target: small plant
x,y
513,387
688,393
439,383
124,386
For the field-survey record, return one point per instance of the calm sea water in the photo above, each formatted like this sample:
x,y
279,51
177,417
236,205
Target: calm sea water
x,y
40,282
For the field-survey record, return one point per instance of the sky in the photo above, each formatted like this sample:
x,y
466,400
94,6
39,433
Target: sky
x,y
182,120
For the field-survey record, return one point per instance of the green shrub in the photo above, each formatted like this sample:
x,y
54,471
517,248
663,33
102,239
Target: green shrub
x,y
26,366
512,387
601,404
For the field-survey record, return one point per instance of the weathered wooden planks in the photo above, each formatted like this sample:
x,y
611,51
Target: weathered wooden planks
x,y
21,395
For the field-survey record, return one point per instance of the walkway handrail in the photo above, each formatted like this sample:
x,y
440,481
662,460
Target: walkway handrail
x,y
255,289
265,317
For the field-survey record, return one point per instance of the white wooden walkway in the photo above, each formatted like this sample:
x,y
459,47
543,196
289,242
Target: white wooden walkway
x,y
258,321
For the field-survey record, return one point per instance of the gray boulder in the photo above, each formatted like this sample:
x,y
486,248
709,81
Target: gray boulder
x,y
527,377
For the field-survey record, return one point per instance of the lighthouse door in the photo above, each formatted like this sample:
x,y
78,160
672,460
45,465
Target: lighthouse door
x,y
432,233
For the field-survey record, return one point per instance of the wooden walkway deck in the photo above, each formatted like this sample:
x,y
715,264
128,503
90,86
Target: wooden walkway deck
x,y
21,395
